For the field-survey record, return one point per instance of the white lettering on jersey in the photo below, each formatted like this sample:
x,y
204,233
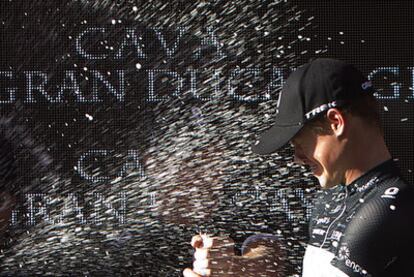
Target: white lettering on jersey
x,y
371,182
390,193
336,235
320,109
323,220
318,232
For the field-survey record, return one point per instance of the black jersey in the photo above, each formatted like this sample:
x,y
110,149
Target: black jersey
x,y
363,229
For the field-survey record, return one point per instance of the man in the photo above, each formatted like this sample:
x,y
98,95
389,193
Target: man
x,y
364,216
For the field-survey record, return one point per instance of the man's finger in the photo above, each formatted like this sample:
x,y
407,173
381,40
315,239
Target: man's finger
x,y
207,241
211,253
197,241
201,254
221,263
189,273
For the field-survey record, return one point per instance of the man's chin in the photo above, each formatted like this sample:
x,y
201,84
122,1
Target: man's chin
x,y
323,182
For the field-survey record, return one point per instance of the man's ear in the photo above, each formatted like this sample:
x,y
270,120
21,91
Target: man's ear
x,y
337,121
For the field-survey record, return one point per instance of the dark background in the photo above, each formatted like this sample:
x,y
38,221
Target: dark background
x,y
50,138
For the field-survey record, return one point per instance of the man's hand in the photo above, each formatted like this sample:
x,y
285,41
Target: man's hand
x,y
213,256
262,256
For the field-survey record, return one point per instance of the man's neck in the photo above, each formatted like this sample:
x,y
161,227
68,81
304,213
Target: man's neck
x,y
366,158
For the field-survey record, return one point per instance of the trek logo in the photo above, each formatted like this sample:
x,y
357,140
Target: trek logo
x,y
320,109
390,193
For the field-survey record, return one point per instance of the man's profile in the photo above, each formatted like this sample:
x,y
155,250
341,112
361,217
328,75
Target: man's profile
x,y
362,221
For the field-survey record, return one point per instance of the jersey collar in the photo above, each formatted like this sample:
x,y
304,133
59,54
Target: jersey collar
x,y
373,176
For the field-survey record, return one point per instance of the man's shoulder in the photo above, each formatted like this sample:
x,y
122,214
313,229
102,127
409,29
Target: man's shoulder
x,y
393,189
389,203
379,231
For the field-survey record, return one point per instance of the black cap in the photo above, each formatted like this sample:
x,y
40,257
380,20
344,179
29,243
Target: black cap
x,y
310,90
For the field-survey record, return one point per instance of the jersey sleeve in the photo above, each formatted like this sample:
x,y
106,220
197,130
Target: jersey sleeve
x,y
379,233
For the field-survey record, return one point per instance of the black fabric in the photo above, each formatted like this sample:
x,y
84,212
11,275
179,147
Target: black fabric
x,y
368,224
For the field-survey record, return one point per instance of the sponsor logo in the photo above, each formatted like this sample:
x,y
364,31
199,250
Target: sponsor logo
x,y
320,232
390,193
339,197
336,235
355,267
320,109
337,209
348,219
323,220
343,253
340,225
368,184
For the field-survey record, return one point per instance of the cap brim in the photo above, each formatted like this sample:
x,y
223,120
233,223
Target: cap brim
x,y
275,138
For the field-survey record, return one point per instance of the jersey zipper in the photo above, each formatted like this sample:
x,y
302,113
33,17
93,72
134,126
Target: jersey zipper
x,y
338,217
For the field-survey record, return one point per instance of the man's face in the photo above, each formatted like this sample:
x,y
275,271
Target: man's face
x,y
322,153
